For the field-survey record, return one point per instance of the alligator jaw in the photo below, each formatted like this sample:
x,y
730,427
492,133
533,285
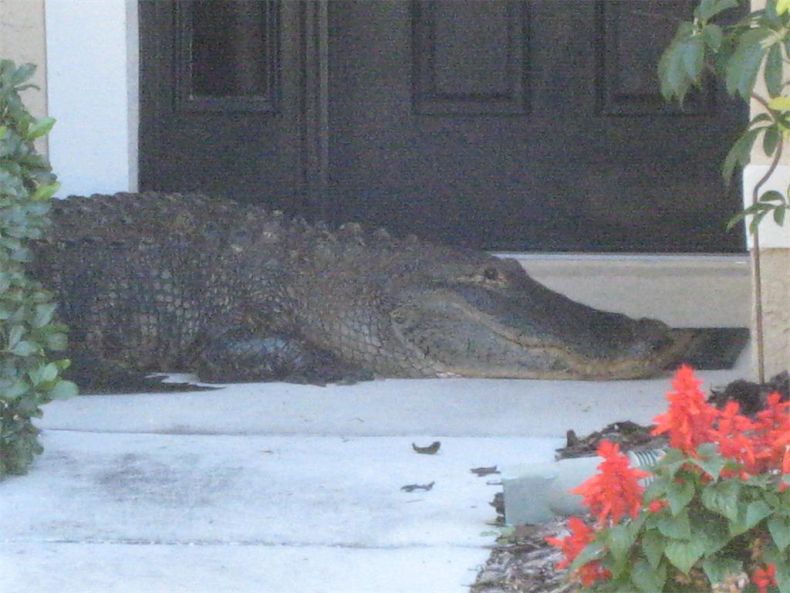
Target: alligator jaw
x,y
462,340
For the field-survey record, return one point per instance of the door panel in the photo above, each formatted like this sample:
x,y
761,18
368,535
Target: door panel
x,y
501,124
524,126
223,100
449,79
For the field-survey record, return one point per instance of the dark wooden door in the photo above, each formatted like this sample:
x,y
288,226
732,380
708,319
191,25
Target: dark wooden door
x,y
500,124
225,105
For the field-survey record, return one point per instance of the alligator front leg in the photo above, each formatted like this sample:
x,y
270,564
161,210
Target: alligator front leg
x,y
242,356
97,375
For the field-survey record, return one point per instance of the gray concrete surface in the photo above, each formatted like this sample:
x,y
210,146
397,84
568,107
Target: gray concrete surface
x,y
269,488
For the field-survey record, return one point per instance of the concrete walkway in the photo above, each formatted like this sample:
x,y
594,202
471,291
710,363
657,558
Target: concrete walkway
x,y
275,488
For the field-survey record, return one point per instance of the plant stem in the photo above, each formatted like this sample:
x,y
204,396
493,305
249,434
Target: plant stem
x,y
759,330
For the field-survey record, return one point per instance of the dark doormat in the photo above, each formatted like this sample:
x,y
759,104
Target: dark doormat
x,y
714,348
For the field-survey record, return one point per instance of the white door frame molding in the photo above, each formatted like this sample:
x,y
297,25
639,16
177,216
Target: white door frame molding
x,y
92,91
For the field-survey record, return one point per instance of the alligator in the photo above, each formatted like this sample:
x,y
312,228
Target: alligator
x,y
231,292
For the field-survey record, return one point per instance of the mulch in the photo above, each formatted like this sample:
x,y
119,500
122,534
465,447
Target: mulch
x,y
522,562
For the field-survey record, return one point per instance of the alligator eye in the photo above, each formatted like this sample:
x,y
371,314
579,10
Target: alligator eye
x,y
491,274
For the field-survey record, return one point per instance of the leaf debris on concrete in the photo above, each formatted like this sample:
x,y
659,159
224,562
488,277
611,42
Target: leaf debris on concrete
x,y
413,487
484,471
431,449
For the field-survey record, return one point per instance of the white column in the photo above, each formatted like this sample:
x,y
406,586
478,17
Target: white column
x,y
92,68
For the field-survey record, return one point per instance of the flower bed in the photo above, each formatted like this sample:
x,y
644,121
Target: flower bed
x,y
715,516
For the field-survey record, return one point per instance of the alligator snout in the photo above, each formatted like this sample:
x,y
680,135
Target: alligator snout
x,y
657,345
533,332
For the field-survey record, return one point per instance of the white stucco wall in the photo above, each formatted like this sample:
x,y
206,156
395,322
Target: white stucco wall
x,y
772,236
22,40
92,69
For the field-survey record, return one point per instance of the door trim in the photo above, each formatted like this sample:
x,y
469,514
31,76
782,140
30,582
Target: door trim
x,y
315,134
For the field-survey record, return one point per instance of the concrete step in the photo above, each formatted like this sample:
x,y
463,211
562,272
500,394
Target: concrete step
x,y
452,407
155,512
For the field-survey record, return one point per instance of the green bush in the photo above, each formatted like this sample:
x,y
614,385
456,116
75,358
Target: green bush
x,y
739,54
28,378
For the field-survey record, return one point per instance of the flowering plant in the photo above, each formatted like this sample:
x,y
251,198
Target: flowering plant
x,y
715,515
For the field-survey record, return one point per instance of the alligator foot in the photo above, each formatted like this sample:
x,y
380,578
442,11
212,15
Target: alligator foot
x,y
241,356
100,376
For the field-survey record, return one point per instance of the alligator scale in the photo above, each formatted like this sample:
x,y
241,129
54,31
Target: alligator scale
x,y
168,282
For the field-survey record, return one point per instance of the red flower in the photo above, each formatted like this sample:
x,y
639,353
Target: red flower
x,y
785,468
592,572
772,434
764,578
690,418
572,544
615,490
731,435
656,505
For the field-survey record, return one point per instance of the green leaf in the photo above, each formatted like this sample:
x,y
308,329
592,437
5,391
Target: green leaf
x,y
722,498
63,390
758,211
15,335
23,73
713,36
740,153
679,495
671,463
772,196
783,576
22,254
711,530
717,569
25,348
619,539
744,64
779,528
756,511
675,527
771,140
56,342
44,374
45,192
779,215
684,554
646,578
779,103
760,118
671,74
40,127
693,55
774,70
653,544
17,389
43,314
770,15
709,460
707,9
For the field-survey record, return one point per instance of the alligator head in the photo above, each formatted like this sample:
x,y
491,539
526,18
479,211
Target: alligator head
x,y
473,315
